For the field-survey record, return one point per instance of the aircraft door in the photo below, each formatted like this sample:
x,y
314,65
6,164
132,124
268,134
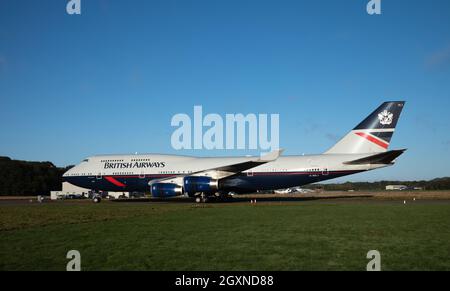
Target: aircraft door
x,y
314,171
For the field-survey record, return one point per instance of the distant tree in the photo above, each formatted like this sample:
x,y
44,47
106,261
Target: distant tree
x,y
435,184
29,178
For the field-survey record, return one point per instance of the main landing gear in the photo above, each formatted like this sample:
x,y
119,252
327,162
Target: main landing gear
x,y
217,197
201,198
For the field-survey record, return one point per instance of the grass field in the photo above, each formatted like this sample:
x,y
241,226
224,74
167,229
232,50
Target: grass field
x,y
308,235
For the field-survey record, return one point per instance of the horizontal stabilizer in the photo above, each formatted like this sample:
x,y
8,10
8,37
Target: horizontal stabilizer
x,y
382,158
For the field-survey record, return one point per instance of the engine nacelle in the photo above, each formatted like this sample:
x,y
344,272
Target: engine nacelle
x,y
166,190
195,184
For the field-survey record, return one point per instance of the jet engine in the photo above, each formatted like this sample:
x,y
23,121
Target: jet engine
x,y
166,190
195,184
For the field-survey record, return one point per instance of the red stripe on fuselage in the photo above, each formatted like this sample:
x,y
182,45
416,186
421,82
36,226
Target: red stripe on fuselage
x,y
115,182
373,139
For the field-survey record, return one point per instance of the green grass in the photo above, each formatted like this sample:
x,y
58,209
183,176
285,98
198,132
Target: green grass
x,y
289,236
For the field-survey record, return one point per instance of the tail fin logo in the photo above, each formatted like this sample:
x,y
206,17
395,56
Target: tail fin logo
x,y
385,117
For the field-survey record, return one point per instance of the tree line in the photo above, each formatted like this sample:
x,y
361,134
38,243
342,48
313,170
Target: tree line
x,y
434,184
23,178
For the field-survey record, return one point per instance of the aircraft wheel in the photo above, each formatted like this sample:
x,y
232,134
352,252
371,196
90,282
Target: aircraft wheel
x,y
97,199
198,199
205,200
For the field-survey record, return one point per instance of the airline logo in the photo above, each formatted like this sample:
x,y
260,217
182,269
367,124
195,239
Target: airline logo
x,y
134,165
385,117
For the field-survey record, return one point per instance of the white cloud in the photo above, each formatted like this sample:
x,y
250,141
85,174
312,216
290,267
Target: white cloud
x,y
438,59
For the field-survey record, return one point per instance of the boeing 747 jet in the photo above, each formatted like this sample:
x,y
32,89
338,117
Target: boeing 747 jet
x,y
364,148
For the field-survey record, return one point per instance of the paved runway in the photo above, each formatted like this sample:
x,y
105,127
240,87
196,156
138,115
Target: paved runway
x,y
331,197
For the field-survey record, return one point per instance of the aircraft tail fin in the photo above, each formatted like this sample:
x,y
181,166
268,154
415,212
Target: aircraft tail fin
x,y
373,134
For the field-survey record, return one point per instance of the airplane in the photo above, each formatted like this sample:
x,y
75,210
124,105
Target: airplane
x,y
283,191
363,149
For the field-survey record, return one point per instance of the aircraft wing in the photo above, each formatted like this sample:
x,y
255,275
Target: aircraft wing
x,y
224,171
242,166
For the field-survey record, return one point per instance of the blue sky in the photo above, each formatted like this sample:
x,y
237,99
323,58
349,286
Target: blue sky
x,y
110,80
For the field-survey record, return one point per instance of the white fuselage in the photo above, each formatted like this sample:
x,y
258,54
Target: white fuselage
x,y
134,172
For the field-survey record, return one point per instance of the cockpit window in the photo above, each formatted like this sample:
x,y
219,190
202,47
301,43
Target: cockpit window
x,y
85,160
